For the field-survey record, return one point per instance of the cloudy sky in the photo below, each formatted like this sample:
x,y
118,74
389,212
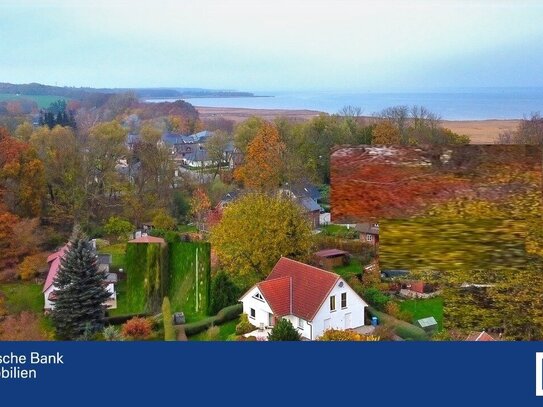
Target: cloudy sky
x,y
273,45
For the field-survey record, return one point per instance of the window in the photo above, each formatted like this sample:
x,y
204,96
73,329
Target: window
x,y
343,300
253,313
369,238
333,303
300,323
258,296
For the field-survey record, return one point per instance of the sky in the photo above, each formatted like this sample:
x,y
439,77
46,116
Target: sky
x,y
273,45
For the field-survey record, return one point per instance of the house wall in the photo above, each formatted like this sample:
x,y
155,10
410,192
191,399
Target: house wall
x,y
307,328
262,309
355,306
314,218
48,304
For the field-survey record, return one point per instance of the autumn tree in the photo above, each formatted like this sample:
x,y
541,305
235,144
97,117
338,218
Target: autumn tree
x,y
21,176
199,206
118,227
32,265
386,133
25,326
255,232
263,166
163,220
246,131
59,151
338,335
24,131
217,146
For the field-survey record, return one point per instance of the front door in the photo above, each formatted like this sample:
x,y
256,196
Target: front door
x,y
348,321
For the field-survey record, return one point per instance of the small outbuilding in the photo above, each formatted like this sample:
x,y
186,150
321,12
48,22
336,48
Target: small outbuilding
x,y
330,258
428,324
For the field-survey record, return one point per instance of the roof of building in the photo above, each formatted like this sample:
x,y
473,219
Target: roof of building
x,y
104,258
331,253
309,204
147,239
480,337
301,293
427,322
305,189
367,227
54,266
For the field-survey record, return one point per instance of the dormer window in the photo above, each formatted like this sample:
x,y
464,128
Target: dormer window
x,y
258,296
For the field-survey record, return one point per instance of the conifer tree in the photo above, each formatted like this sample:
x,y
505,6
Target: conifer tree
x,y
284,331
80,291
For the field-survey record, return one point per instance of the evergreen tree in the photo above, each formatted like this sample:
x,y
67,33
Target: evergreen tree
x,y
284,331
80,291
223,293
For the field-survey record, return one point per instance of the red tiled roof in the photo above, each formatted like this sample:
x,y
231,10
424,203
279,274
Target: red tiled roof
x,y
331,253
54,259
309,288
277,293
480,337
147,239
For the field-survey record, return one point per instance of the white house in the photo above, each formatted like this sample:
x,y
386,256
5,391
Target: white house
x,y
313,299
54,265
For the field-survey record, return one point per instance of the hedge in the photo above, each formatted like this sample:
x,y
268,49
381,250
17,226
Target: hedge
x,y
121,319
146,270
226,314
403,329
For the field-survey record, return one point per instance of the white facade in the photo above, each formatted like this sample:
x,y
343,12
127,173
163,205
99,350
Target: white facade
x,y
348,317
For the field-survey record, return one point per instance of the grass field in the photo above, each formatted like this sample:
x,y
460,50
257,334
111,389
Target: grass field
x,y
355,267
23,297
423,308
43,101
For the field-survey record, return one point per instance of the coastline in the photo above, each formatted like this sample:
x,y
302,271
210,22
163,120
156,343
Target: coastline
x,y
480,131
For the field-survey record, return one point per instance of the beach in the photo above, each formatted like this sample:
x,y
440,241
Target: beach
x,y
480,131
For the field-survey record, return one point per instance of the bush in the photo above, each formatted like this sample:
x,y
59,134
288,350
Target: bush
x,y
405,316
121,319
112,333
284,331
375,297
167,320
31,266
392,308
162,220
385,332
137,329
226,314
338,335
118,227
212,333
244,326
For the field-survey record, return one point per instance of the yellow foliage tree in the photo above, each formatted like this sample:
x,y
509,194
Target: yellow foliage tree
x,y
31,266
255,232
338,335
386,133
264,161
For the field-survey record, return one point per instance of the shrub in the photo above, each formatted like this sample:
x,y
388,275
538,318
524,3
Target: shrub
x,y
226,314
244,326
31,266
118,227
392,308
405,316
229,313
375,297
112,333
137,329
212,333
162,220
22,327
338,335
284,331
385,332
167,320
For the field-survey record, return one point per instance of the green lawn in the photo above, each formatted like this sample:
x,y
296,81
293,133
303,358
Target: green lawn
x,y
187,228
423,308
226,329
117,252
23,297
43,101
337,230
122,303
355,267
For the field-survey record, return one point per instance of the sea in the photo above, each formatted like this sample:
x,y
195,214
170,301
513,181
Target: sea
x,y
449,104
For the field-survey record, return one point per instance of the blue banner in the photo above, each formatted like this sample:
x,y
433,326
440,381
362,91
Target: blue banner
x,y
310,373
